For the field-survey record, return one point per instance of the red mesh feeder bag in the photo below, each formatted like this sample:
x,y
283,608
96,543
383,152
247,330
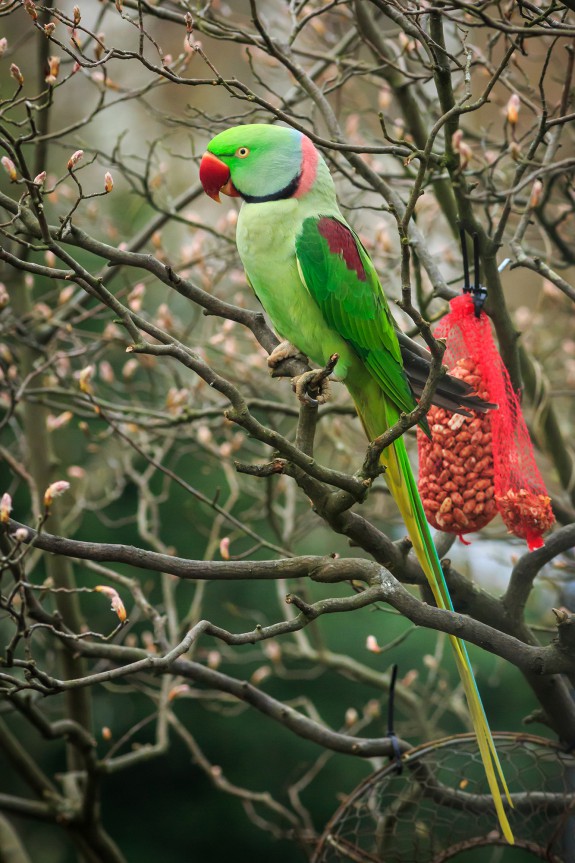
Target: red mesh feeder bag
x,y
476,466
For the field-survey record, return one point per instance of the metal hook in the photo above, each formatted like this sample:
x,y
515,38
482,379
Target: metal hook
x,y
390,732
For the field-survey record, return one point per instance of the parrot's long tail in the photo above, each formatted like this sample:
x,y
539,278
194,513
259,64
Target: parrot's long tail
x,y
376,415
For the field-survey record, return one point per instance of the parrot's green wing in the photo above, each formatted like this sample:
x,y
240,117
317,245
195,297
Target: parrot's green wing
x,y
340,276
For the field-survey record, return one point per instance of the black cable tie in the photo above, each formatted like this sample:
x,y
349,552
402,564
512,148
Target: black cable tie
x,y
476,262
466,285
477,291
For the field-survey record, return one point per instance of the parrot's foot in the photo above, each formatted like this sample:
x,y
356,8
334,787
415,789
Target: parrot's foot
x,y
312,388
284,351
307,384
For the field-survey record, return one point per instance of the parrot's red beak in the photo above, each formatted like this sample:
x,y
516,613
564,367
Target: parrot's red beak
x,y
215,178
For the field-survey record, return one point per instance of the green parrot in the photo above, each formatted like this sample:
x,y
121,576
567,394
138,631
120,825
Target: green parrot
x,y
321,291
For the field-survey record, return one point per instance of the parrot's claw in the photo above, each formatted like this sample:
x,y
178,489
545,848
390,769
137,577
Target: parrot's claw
x,y
312,388
307,382
283,351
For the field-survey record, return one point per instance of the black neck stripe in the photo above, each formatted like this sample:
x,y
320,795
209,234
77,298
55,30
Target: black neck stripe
x,y
287,192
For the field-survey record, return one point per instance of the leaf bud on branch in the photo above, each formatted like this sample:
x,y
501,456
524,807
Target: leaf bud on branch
x,y
5,507
9,167
17,74
117,605
55,489
75,158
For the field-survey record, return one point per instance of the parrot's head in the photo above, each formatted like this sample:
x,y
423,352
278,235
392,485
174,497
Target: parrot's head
x,y
259,163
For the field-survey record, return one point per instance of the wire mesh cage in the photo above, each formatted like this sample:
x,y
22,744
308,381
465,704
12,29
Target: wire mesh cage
x,y
438,808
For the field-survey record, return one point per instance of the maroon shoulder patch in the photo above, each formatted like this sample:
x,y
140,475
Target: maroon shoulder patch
x,y
342,242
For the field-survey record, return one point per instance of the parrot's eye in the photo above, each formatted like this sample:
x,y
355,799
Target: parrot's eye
x,y
242,152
